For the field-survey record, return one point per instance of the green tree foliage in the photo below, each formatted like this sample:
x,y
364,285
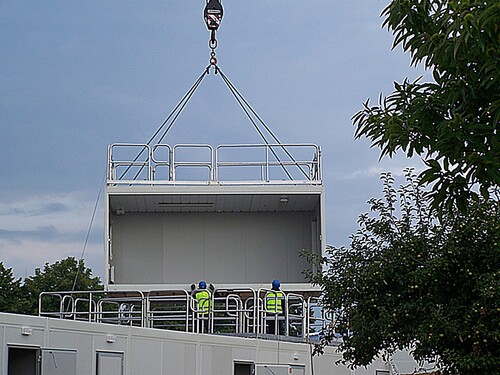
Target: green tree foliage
x,y
59,276
453,122
410,282
9,290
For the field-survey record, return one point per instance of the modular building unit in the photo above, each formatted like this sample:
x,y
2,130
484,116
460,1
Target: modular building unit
x,y
44,346
165,232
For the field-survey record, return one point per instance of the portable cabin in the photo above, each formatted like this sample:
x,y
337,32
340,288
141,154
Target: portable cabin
x,y
233,215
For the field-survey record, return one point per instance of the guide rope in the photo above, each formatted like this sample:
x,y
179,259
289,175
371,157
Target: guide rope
x,y
82,256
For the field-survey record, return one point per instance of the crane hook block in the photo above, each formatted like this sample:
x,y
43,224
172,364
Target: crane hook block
x,y
213,14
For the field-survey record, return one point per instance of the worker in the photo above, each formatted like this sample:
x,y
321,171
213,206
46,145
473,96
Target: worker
x,y
203,299
275,309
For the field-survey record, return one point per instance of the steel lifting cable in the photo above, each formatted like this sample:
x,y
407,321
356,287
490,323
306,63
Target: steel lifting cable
x,y
213,14
175,114
240,99
245,106
193,89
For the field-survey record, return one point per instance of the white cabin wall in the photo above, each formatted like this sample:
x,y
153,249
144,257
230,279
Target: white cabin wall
x,y
3,351
137,249
238,248
149,351
179,358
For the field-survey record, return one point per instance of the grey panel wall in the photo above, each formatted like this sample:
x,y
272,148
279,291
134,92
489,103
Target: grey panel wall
x,y
160,352
175,248
58,362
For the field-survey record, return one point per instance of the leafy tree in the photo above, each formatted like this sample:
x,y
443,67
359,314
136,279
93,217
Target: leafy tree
x,y
9,290
59,276
453,122
410,282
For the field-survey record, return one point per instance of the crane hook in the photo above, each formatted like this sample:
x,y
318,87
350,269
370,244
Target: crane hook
x,y
213,16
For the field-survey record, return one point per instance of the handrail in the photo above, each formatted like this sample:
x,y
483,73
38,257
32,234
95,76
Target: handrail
x,y
135,162
169,312
267,163
236,311
263,157
203,163
160,163
299,302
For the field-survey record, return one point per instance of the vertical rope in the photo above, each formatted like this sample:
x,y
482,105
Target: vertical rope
x,y
88,234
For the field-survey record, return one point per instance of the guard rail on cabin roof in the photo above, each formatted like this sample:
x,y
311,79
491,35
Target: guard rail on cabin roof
x,y
240,311
280,164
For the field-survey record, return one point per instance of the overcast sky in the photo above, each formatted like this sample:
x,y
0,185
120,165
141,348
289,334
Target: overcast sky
x,y
76,76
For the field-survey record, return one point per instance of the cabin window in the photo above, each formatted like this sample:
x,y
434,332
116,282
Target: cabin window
x,y
244,368
109,363
297,370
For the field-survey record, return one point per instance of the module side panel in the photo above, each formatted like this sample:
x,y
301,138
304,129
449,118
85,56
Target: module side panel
x,y
137,249
173,248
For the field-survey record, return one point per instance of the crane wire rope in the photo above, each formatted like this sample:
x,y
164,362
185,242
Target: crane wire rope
x,y
185,100
175,114
244,105
240,99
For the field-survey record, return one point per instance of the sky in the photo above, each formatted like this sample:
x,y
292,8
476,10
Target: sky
x,y
76,76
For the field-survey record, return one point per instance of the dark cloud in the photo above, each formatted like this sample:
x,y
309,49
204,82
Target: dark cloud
x,y
49,208
45,233
48,233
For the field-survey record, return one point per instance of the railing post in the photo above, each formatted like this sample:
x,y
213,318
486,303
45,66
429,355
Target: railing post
x,y
320,177
267,163
216,164
212,164
171,167
89,319
149,161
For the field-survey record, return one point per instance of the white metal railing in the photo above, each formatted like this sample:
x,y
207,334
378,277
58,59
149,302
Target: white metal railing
x,y
239,311
132,164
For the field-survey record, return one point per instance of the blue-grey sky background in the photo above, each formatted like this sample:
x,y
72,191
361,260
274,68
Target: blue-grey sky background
x,y
76,76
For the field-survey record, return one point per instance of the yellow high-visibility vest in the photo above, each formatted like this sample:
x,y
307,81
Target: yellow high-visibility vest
x,y
204,301
273,302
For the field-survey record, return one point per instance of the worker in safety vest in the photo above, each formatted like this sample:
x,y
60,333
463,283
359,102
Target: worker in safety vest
x,y
275,309
203,299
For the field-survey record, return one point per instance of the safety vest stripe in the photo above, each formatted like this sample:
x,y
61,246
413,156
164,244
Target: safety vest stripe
x,y
204,301
273,302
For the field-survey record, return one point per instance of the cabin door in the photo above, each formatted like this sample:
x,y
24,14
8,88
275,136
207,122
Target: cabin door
x,y
23,361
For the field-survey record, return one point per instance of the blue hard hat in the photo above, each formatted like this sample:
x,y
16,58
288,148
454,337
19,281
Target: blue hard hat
x,y
202,285
276,284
